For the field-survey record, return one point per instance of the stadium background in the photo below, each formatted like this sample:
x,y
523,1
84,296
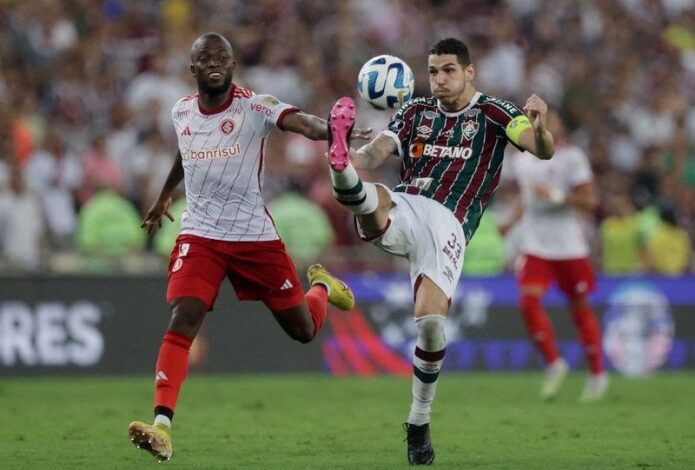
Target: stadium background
x,y
86,89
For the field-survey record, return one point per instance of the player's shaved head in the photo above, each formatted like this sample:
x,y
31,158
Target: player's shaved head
x,y
207,38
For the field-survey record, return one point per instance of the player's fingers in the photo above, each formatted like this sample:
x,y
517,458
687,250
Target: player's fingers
x,y
169,216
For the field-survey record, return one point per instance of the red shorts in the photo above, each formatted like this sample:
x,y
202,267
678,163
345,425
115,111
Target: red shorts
x,y
257,270
575,277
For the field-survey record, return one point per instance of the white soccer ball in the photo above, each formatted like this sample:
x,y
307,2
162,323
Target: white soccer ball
x,y
386,81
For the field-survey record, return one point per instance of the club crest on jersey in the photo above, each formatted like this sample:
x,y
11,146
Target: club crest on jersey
x,y
423,132
227,126
470,128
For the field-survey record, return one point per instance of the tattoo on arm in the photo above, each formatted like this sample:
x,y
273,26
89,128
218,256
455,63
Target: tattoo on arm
x,y
375,153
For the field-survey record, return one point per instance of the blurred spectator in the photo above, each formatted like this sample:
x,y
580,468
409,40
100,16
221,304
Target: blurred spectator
x,y
92,71
621,243
485,254
109,227
669,249
55,174
21,224
101,171
303,226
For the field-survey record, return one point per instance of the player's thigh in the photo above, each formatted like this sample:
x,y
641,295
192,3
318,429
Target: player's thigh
x,y
534,275
438,246
575,277
264,271
196,269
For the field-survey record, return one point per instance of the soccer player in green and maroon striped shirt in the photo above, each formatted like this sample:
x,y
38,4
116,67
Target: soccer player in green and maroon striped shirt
x,y
451,147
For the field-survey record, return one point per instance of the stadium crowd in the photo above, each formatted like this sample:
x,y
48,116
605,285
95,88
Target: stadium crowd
x,y
86,89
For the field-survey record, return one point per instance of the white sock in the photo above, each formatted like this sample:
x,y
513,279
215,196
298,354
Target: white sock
x,y
427,362
161,419
357,196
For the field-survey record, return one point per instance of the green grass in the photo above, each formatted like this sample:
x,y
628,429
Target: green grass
x,y
319,422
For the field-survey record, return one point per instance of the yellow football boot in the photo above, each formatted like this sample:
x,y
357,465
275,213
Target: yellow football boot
x,y
154,438
339,294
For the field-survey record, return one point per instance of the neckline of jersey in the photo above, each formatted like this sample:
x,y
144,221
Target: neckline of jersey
x,y
223,106
470,104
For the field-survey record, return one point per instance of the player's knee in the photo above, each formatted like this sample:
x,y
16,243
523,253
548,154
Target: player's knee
x,y
430,332
187,315
302,334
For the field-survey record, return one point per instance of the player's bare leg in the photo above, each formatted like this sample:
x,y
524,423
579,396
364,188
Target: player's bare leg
x,y
431,306
302,322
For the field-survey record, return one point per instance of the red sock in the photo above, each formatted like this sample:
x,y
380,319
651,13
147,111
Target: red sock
x,y
317,300
539,327
172,367
590,336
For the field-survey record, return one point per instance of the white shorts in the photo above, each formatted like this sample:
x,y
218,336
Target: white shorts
x,y
429,235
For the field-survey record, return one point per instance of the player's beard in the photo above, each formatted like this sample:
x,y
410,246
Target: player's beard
x,y
213,90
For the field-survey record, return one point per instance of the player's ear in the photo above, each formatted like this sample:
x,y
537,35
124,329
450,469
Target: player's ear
x,y
233,66
469,72
192,69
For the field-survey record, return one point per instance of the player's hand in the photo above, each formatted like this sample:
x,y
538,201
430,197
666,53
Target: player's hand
x,y
537,111
362,134
153,219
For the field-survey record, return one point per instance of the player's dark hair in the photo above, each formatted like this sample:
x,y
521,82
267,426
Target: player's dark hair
x,y
452,46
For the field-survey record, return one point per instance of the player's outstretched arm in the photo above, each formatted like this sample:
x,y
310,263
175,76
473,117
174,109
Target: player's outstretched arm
x,y
160,208
316,128
538,140
373,154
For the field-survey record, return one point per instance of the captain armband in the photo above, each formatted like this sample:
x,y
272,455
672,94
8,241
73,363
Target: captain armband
x,y
516,126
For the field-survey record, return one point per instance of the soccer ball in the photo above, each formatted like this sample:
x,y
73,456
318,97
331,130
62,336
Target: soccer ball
x,y
385,81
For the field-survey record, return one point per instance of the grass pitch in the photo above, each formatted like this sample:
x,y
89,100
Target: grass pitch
x,y
319,422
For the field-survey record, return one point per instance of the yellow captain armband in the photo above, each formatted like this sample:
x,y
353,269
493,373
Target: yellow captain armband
x,y
516,126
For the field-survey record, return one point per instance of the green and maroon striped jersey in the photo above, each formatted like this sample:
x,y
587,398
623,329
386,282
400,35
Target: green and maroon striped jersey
x,y
453,158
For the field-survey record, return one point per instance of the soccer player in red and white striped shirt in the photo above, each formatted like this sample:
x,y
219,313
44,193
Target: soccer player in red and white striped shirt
x,y
226,230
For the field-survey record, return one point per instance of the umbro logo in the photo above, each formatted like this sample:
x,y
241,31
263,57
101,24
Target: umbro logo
x,y
161,376
186,131
287,285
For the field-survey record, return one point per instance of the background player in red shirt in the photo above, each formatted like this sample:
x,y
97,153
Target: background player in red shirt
x,y
451,147
226,229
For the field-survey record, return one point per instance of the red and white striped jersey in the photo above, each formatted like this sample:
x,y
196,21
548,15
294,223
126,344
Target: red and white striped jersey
x,y
222,151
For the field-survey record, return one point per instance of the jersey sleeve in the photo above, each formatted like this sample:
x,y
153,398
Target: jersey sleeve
x,y
400,126
269,112
511,120
178,113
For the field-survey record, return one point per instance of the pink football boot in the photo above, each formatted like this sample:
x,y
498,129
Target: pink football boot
x,y
340,123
